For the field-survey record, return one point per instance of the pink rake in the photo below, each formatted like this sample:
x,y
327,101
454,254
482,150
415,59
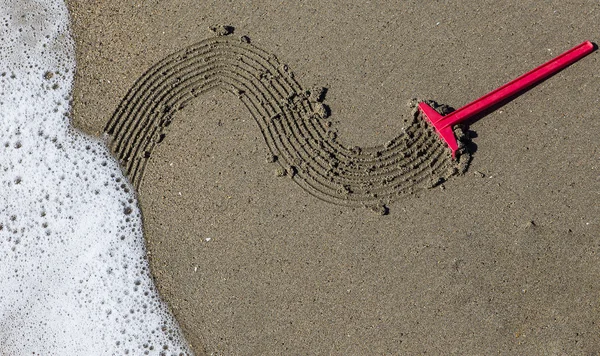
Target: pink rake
x,y
443,124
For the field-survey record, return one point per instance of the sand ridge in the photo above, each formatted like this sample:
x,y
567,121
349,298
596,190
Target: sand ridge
x,y
293,121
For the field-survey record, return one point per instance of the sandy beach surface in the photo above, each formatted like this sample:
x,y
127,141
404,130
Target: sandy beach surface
x,y
503,259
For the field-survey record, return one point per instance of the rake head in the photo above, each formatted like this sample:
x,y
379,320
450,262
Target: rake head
x,y
445,132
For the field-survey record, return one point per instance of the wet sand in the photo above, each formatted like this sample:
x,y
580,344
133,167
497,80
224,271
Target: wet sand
x,y
502,259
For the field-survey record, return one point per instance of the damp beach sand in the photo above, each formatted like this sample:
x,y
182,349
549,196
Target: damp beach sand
x,y
256,187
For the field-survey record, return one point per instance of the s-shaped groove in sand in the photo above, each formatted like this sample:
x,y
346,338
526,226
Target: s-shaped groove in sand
x,y
291,120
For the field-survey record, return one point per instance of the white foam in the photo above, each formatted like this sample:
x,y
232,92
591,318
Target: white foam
x,y
74,278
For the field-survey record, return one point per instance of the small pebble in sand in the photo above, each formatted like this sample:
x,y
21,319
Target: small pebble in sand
x,y
245,39
380,209
280,172
317,94
271,158
222,30
321,110
292,171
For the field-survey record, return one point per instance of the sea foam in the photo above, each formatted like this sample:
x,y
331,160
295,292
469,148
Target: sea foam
x,y
74,276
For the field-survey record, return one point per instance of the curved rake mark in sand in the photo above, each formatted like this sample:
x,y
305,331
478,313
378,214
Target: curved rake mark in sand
x,y
291,124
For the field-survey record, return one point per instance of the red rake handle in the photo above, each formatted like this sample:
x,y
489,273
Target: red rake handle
x,y
521,83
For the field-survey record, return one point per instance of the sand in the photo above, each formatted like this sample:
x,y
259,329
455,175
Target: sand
x,y
293,122
502,259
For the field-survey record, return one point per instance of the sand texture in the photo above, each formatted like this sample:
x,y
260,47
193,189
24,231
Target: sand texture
x,y
292,120
253,179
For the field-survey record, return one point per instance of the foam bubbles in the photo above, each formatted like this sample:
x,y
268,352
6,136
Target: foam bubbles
x,y
75,280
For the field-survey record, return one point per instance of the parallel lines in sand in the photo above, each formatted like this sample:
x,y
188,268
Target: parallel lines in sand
x,y
294,130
